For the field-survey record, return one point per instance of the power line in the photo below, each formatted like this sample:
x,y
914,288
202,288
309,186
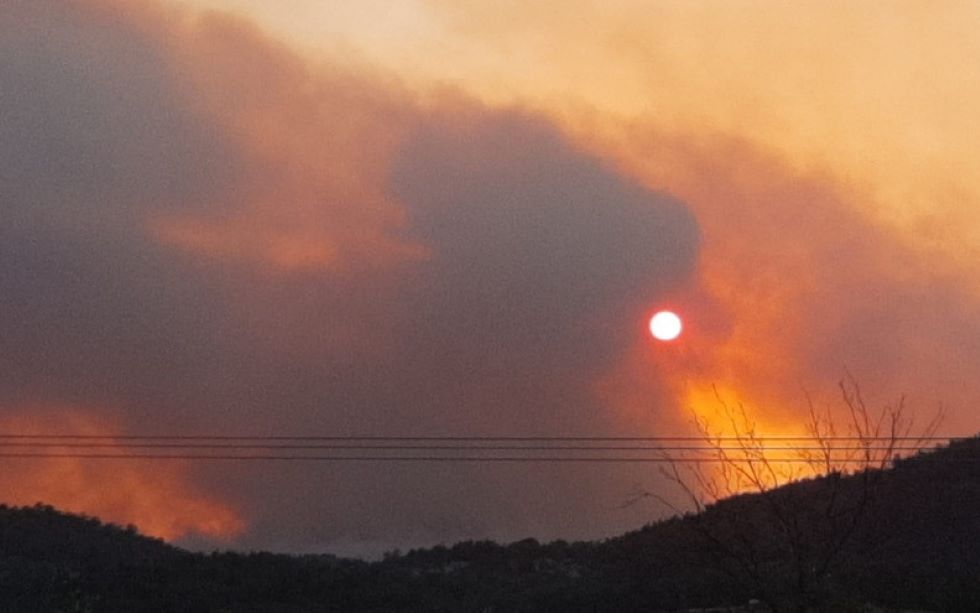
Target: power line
x,y
473,459
844,450
420,447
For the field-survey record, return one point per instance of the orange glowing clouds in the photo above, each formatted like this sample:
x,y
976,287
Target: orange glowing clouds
x,y
666,326
156,496
884,99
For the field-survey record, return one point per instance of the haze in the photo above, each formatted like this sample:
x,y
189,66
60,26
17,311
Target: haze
x,y
456,219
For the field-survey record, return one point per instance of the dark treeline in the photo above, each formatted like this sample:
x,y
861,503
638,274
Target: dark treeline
x,y
918,550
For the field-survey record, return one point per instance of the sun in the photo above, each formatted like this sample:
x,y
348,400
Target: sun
x,y
666,326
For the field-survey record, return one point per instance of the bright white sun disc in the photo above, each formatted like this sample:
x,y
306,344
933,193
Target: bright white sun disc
x,y
665,326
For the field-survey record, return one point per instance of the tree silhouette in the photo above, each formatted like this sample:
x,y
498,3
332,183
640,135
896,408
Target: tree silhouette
x,y
790,550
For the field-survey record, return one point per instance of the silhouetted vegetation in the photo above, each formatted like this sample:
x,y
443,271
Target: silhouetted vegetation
x,y
919,553
788,546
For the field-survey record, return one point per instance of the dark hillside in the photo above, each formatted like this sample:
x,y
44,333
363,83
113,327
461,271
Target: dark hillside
x,y
917,550
929,528
51,560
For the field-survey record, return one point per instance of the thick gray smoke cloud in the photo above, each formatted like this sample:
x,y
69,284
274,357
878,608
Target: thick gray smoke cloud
x,y
95,138
539,260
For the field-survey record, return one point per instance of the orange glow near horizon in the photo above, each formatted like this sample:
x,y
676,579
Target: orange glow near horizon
x,y
156,496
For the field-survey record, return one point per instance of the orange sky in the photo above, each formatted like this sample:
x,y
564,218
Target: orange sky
x,y
875,108
449,217
881,97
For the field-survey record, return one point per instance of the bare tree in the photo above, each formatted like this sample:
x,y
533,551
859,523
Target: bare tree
x,y
814,494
